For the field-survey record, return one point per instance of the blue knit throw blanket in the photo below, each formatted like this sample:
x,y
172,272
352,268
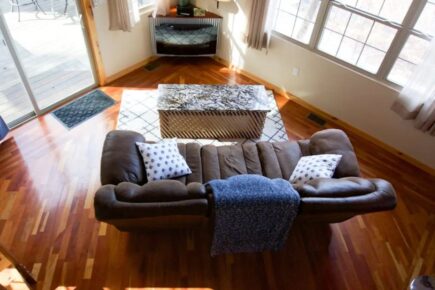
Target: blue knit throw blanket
x,y
252,213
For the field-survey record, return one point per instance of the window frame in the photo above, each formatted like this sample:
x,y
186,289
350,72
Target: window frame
x,y
147,7
404,30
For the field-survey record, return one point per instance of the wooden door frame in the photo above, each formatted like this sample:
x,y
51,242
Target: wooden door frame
x,y
91,34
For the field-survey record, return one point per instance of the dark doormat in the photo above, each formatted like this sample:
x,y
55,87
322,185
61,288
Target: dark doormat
x,y
83,108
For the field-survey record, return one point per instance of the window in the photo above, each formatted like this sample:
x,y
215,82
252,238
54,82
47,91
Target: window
x,y
296,18
411,55
415,46
385,39
143,3
356,39
393,10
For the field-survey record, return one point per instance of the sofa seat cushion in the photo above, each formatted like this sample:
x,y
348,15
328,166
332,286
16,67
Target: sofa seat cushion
x,y
110,209
332,187
159,191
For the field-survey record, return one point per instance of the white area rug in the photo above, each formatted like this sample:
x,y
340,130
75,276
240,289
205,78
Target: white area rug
x,y
139,113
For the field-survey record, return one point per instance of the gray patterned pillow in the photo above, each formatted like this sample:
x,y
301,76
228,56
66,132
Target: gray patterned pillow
x,y
163,160
314,166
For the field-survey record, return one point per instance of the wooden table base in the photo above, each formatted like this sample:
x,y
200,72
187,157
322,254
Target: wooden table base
x,y
212,124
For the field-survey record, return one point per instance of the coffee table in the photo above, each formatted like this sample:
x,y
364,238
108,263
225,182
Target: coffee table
x,y
212,111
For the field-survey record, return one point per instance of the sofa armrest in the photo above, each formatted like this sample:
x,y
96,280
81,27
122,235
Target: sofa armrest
x,y
121,160
108,207
336,187
353,195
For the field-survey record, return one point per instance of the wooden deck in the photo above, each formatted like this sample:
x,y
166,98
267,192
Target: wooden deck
x,y
53,54
47,220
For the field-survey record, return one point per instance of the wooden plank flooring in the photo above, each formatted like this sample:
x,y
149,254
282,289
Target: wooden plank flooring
x,y
48,177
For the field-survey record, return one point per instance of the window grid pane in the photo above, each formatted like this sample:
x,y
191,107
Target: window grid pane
x,y
411,55
296,18
356,39
401,72
284,23
337,19
381,36
392,10
349,50
370,59
143,3
415,48
426,21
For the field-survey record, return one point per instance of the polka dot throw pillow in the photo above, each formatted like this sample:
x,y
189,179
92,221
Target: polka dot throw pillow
x,y
314,166
163,160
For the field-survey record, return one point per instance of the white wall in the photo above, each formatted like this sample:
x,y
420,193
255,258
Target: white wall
x,y
119,49
348,95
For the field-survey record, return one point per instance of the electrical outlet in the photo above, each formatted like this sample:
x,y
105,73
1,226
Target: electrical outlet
x,y
295,71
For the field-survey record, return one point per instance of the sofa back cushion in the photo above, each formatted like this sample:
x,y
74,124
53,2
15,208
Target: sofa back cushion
x,y
191,152
334,141
273,160
121,160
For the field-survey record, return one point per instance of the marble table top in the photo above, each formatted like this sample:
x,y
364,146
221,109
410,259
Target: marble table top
x,y
212,98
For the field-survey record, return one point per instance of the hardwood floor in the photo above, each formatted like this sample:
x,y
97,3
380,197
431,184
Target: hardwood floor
x,y
48,177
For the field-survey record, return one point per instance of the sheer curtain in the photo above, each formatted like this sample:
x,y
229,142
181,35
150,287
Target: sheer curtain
x,y
417,98
123,14
261,21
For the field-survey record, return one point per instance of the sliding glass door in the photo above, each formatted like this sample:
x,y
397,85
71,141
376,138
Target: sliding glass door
x,y
48,39
15,104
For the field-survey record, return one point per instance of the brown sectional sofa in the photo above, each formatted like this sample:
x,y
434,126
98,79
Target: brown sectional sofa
x,y
127,201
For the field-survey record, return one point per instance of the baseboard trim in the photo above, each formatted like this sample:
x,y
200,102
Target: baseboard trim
x,y
330,117
130,69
